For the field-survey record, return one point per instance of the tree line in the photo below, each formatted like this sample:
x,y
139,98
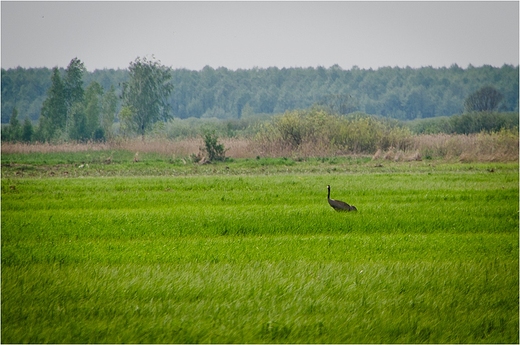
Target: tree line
x,y
72,112
400,93
75,104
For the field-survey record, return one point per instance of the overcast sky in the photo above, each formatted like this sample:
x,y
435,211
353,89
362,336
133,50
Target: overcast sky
x,y
260,34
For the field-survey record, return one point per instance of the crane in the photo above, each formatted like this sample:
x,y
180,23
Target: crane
x,y
339,205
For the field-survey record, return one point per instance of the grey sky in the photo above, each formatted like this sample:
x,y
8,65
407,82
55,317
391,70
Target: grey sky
x,y
260,34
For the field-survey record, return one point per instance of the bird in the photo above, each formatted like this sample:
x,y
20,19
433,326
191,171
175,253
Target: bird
x,y
338,205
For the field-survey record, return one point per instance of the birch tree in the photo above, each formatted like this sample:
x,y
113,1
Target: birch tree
x,y
147,92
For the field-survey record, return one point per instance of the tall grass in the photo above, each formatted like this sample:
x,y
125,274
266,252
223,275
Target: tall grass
x,y
485,147
482,147
237,148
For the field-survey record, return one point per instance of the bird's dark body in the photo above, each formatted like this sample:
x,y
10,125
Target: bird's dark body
x,y
339,205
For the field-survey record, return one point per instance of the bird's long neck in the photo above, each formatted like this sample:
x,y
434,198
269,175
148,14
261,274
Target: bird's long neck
x,y
328,194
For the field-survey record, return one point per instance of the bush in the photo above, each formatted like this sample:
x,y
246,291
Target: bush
x,y
214,149
99,134
477,122
309,131
467,123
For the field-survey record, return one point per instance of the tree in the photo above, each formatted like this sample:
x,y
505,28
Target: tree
x,y
54,108
74,82
402,93
92,100
214,149
339,103
27,131
109,105
74,89
15,130
126,125
419,104
486,98
78,122
147,92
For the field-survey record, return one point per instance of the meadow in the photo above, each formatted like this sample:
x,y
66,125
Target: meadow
x,y
249,251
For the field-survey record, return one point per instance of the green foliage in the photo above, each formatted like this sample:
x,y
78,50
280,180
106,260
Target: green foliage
x,y
485,99
243,100
70,112
27,131
93,111
192,127
24,89
126,124
74,91
441,124
466,123
109,108
13,132
14,125
146,93
78,129
316,127
263,258
483,121
214,149
401,93
54,111
339,104
62,112
292,127
84,106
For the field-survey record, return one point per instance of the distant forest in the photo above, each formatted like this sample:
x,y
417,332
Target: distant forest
x,y
400,93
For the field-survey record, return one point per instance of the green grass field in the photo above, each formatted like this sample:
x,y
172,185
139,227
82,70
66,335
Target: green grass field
x,y
249,251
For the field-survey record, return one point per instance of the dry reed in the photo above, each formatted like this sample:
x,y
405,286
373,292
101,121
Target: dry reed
x,y
483,147
238,148
8,147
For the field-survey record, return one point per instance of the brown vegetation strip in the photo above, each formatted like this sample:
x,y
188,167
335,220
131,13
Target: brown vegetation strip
x,y
484,147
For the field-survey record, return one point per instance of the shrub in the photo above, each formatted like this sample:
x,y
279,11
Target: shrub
x,y
483,121
485,99
467,123
319,130
214,149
